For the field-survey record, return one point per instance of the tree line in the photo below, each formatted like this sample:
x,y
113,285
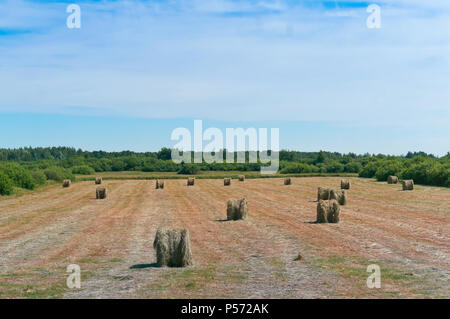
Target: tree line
x,y
31,167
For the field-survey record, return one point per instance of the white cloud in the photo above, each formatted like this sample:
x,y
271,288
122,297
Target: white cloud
x,y
202,59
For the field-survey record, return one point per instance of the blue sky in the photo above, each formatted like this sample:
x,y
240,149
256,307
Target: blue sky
x,y
138,69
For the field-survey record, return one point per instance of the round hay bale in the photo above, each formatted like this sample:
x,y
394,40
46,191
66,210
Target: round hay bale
x,y
159,184
322,209
323,193
392,179
98,180
237,209
333,211
287,181
328,211
190,181
241,178
66,183
408,185
345,184
173,247
100,193
339,195
226,181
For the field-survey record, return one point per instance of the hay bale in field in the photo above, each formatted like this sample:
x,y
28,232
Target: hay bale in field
x,y
328,211
173,247
190,181
408,185
339,195
159,184
287,181
237,209
98,180
66,183
392,179
345,184
323,193
226,181
241,178
100,193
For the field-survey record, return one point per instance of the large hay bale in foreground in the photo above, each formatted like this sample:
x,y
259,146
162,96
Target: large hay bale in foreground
x,y
173,247
328,211
339,195
159,184
190,181
408,185
287,181
392,179
98,180
66,183
345,184
226,181
323,193
241,178
237,209
100,193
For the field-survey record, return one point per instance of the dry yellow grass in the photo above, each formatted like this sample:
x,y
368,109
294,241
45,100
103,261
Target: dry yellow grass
x,y
406,233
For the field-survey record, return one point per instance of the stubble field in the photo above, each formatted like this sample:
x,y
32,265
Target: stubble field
x,y
406,233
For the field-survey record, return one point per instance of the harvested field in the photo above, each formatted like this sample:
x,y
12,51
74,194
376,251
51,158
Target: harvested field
x,y
406,233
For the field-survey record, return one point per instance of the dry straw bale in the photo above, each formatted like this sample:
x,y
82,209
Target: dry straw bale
x,y
67,183
241,178
237,209
392,179
345,184
190,181
408,185
339,195
323,193
173,247
227,181
100,193
287,181
98,180
328,211
159,184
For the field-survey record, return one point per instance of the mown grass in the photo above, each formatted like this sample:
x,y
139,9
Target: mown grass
x,y
194,282
35,284
200,175
395,282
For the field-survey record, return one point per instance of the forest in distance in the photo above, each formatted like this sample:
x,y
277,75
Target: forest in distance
x,y
28,168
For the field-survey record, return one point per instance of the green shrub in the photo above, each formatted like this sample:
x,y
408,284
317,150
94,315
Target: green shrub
x,y
83,170
352,167
297,168
19,176
369,169
388,168
188,169
334,167
6,185
39,177
58,174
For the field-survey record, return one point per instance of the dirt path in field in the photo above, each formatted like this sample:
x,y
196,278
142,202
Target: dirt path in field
x,y
406,233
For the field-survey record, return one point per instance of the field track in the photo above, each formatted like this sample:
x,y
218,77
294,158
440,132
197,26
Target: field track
x,y
406,233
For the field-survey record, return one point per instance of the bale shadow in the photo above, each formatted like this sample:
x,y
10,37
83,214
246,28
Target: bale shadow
x,y
223,220
143,266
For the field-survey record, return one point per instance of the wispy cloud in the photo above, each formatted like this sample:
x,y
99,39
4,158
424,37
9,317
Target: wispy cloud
x,y
223,59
